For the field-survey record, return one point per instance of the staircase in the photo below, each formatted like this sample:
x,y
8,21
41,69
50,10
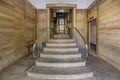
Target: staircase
x,y
61,36
60,60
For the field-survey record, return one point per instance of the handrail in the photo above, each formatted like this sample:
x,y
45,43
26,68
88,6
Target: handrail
x,y
35,43
86,45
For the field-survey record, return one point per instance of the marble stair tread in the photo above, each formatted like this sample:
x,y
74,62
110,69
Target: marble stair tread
x,y
31,78
60,62
61,40
52,60
62,36
64,47
60,44
59,53
59,71
61,56
61,47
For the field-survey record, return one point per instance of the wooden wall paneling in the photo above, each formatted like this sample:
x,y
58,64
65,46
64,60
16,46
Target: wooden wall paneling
x,y
19,28
97,27
108,31
30,22
42,20
7,31
81,21
12,30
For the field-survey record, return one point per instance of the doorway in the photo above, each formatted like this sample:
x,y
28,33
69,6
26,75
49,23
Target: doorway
x,y
92,37
61,22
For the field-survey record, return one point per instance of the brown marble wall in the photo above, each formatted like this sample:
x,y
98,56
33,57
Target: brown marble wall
x,y
41,21
92,13
109,30
81,21
17,26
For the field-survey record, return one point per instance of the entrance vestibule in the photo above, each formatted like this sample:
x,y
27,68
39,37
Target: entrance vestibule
x,y
61,19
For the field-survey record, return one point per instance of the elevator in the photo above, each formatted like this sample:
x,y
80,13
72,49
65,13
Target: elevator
x,y
61,20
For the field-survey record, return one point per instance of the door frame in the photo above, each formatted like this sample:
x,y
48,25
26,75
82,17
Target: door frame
x,y
58,6
88,37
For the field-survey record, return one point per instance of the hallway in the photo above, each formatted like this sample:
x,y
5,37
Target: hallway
x,y
101,69
61,39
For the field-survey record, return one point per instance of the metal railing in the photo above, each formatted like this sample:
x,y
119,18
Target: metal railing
x,y
37,46
85,42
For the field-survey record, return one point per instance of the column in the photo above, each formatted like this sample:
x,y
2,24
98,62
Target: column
x,y
48,22
74,17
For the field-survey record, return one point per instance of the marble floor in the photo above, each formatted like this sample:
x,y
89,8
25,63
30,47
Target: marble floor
x,y
101,69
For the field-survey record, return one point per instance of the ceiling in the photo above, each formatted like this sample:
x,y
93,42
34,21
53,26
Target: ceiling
x,y
81,4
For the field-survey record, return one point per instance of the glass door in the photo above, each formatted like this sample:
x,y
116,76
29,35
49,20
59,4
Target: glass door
x,y
61,25
61,22
61,19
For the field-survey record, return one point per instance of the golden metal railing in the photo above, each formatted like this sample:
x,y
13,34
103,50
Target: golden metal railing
x,y
37,43
85,42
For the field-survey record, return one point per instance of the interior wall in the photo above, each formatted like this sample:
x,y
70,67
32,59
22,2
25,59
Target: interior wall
x,y
109,30
92,13
42,30
17,26
30,22
41,21
81,21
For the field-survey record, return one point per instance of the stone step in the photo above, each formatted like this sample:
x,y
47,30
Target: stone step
x,y
66,55
63,53
77,62
64,49
60,47
61,36
61,44
61,40
59,73
32,78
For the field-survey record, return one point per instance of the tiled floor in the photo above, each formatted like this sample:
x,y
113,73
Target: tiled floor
x,y
101,69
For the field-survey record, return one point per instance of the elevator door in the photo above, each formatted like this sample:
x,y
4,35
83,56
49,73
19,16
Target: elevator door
x,y
62,23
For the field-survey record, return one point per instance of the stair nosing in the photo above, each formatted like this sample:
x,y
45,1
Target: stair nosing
x,y
48,76
73,64
61,49
60,56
